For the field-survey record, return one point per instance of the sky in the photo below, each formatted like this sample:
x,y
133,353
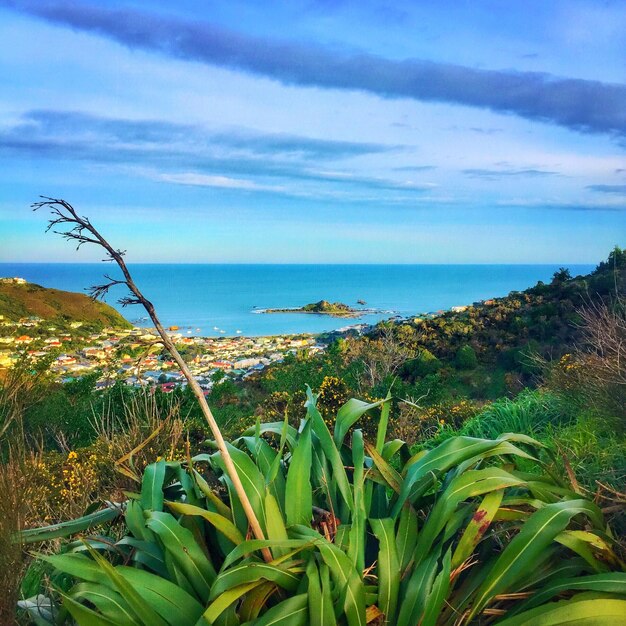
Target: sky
x,y
439,131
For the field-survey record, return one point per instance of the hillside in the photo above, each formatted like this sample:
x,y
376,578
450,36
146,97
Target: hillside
x,y
480,352
18,300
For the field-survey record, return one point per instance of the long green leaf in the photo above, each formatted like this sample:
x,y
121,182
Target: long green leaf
x,y
381,432
66,529
276,531
340,478
471,483
181,545
222,524
521,554
356,542
291,612
298,492
415,590
604,611
152,487
83,615
348,414
108,602
321,611
251,572
391,476
438,594
169,600
388,567
346,578
253,545
406,537
477,527
608,583
427,468
143,610
226,599
251,479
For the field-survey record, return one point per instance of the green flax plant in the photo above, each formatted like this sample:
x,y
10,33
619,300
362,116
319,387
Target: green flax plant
x,y
359,532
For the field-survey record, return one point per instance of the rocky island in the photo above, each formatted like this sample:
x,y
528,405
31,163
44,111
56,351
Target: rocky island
x,y
323,307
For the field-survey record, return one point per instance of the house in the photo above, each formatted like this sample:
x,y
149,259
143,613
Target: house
x,y
65,359
23,340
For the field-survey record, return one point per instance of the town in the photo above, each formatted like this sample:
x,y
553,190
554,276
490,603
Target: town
x,y
136,356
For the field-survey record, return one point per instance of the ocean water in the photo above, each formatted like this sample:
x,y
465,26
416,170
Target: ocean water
x,y
207,299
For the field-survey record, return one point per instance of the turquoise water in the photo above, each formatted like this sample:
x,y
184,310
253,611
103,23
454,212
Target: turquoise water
x,y
202,297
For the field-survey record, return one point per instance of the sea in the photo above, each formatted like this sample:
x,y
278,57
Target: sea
x,y
223,300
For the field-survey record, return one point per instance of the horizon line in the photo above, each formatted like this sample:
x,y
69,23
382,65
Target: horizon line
x,y
249,263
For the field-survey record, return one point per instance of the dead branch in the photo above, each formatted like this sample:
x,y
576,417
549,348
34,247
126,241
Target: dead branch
x,y
79,229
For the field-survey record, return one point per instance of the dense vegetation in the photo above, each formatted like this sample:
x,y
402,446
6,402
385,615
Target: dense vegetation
x,y
26,300
404,542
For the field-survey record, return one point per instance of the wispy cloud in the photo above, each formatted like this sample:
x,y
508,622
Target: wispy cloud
x,y
414,168
486,131
492,174
221,182
542,204
79,136
239,159
151,133
583,105
618,189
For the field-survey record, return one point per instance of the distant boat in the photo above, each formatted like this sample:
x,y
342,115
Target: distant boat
x,y
222,331
173,328
239,332
361,302
215,328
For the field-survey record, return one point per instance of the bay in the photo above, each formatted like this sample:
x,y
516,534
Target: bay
x,y
208,299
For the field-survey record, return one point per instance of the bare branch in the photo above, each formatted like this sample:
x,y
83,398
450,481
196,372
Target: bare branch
x,y
80,229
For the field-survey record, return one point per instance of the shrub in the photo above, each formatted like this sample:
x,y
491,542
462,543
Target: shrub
x,y
466,358
531,413
342,542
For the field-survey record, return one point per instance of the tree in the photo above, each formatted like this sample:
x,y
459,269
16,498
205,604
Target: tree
x,y
466,358
562,275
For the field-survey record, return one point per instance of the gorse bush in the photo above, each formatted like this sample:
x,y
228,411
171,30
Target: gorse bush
x,y
356,532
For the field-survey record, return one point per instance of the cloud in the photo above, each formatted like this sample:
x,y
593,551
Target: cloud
x,y
414,168
486,131
490,174
582,105
221,182
160,150
146,133
80,136
619,189
614,205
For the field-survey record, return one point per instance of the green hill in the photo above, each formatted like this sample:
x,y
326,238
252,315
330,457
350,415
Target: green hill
x,y
27,299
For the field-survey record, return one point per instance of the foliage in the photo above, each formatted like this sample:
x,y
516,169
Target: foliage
x,y
466,358
417,424
495,544
532,413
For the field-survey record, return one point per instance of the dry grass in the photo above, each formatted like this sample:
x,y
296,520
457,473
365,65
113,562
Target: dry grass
x,y
19,507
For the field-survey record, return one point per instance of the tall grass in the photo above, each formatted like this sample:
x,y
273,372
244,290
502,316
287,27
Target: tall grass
x,y
19,503
531,413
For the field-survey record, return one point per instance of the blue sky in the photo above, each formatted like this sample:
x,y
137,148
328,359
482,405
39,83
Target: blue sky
x,y
331,132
